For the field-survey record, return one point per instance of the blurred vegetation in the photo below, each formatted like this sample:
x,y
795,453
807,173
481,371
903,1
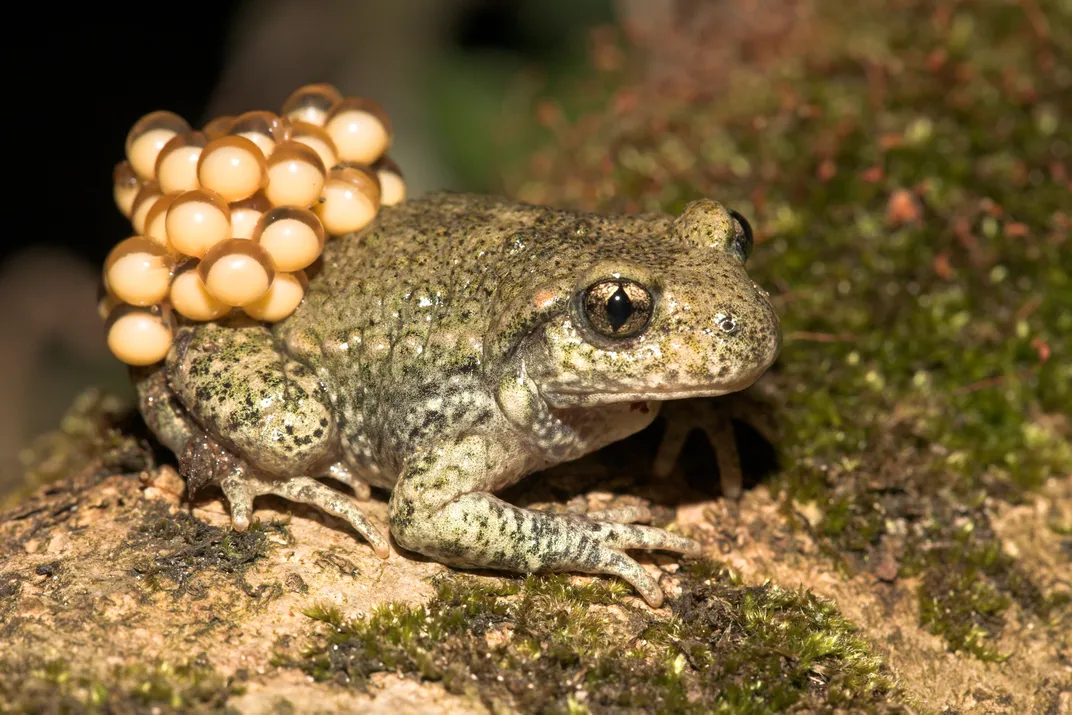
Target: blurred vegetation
x,y
100,435
539,46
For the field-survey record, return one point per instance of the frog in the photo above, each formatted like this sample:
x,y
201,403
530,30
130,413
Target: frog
x,y
457,344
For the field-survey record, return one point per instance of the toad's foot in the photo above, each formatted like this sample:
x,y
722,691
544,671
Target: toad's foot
x,y
204,461
714,417
439,509
241,488
340,471
292,399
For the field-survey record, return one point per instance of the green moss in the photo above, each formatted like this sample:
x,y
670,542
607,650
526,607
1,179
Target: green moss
x,y
184,547
908,182
547,645
771,645
163,686
96,436
965,599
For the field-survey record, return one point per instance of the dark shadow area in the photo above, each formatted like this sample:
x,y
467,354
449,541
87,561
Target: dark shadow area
x,y
101,77
700,463
625,468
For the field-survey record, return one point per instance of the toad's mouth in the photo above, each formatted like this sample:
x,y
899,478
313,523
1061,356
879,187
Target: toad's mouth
x,y
579,396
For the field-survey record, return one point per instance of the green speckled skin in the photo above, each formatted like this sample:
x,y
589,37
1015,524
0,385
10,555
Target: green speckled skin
x,y
444,353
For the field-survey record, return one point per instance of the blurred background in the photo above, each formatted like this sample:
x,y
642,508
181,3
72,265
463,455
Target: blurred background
x,y
444,69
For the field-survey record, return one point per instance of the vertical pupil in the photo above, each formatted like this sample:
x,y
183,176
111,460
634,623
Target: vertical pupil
x,y
619,308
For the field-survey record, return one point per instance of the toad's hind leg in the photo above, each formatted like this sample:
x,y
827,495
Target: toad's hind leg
x,y
268,409
248,418
440,508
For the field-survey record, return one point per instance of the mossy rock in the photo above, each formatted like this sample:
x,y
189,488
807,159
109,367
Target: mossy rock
x,y
547,645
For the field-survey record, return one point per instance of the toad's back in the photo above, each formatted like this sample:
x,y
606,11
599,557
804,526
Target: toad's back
x,y
410,295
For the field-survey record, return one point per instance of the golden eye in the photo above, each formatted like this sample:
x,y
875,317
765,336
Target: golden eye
x,y
617,308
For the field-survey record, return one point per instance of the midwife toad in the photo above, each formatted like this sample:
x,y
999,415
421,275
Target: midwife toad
x,y
456,345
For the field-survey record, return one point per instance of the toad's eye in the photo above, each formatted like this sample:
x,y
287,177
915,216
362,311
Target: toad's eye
x,y
617,308
741,244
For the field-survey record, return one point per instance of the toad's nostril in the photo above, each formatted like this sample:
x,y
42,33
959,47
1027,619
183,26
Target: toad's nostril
x,y
726,323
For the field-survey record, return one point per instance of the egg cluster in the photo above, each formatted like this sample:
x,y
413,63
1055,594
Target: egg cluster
x,y
229,217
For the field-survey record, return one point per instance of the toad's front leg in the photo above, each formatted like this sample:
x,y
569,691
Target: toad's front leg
x,y
441,507
714,417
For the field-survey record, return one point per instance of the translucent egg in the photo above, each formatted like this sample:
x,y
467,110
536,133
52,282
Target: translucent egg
x,y
237,272
191,299
125,185
296,175
246,213
218,127
147,138
311,103
360,129
264,129
139,336
138,271
143,201
350,200
233,167
155,219
392,185
316,139
293,237
196,221
282,299
176,166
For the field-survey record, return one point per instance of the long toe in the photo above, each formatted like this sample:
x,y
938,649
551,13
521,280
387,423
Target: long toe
x,y
628,536
309,491
239,495
622,515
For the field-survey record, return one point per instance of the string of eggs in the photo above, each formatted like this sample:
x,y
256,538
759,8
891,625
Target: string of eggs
x,y
230,217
